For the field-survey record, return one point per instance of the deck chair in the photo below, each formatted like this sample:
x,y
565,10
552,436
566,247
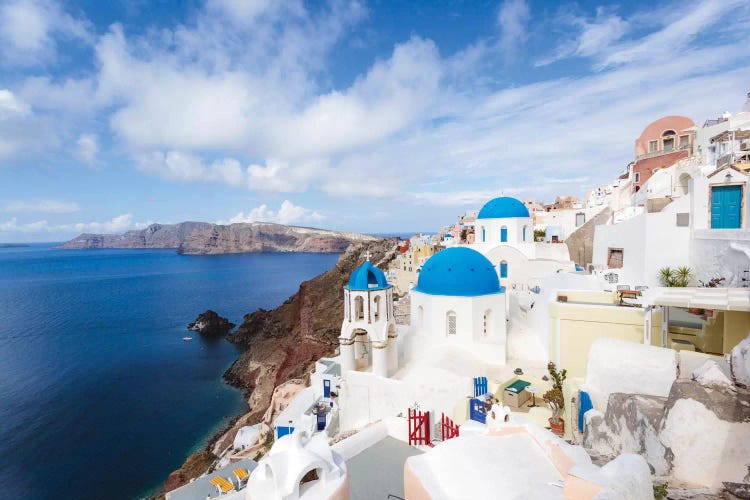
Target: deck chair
x,y
222,485
241,474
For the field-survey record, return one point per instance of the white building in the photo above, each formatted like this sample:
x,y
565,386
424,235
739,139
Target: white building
x,y
299,467
459,301
368,332
704,224
505,235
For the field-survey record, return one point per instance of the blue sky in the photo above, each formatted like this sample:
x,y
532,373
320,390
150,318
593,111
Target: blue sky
x,y
367,116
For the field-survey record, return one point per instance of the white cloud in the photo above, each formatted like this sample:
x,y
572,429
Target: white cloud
x,y
594,37
88,148
512,18
288,213
115,225
11,106
42,206
29,28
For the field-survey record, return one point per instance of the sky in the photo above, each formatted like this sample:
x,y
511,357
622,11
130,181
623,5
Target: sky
x,y
365,116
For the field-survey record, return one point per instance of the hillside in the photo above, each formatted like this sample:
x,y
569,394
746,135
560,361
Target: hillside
x,y
205,238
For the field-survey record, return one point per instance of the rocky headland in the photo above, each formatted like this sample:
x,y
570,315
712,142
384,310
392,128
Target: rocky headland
x,y
210,324
201,238
282,345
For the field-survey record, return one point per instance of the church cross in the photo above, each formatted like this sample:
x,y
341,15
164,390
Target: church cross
x,y
367,254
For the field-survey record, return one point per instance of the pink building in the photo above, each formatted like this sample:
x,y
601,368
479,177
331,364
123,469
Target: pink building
x,y
661,144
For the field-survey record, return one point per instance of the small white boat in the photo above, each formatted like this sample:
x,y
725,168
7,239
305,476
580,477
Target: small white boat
x,y
187,339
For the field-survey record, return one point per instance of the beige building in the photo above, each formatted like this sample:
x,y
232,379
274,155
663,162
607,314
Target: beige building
x,y
406,266
705,320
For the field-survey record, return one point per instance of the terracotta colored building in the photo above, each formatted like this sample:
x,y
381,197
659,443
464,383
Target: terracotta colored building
x,y
661,144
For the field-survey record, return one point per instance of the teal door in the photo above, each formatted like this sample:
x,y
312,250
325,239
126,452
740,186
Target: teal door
x,y
504,234
503,269
726,206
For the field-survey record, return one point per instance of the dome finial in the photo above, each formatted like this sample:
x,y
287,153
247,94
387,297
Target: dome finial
x,y
367,255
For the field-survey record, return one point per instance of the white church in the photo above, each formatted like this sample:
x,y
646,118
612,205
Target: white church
x,y
504,233
458,329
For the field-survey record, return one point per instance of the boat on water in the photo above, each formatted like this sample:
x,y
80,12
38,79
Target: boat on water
x,y
187,339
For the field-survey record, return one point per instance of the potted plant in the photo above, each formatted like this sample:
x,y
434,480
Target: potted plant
x,y
555,399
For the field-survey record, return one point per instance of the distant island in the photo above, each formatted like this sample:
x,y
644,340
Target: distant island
x,y
13,245
203,238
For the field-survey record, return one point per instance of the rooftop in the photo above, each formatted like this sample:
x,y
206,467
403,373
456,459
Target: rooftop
x,y
201,488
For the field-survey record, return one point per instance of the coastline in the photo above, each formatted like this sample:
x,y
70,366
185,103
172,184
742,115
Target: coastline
x,y
280,345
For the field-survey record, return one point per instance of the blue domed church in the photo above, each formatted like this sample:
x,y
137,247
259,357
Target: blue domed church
x,y
459,301
504,233
368,332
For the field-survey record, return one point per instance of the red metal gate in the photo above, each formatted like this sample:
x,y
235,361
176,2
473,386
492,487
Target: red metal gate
x,y
449,429
419,427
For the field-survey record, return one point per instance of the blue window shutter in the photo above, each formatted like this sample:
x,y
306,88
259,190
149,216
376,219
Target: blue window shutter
x,y
503,269
504,234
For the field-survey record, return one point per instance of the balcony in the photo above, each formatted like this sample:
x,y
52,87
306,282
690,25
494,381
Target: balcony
x,y
653,154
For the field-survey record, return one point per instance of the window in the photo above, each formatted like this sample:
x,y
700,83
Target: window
x,y
683,219
359,308
483,235
376,303
668,144
346,309
684,140
637,177
524,233
615,258
450,320
653,146
580,219
503,234
503,269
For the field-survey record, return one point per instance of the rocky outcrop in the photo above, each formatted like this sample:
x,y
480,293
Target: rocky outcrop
x,y
209,324
707,433
154,236
284,343
630,425
581,242
740,363
206,238
266,237
699,434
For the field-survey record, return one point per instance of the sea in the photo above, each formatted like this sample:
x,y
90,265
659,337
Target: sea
x,y
100,397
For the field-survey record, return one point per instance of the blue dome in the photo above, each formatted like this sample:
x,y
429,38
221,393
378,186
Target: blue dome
x,y
367,277
503,208
458,272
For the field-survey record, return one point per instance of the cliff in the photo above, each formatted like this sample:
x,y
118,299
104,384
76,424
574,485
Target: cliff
x,y
206,238
284,343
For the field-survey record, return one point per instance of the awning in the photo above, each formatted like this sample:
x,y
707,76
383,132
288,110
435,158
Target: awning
x,y
721,299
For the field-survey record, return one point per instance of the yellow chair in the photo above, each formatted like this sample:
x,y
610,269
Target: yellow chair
x,y
222,484
240,473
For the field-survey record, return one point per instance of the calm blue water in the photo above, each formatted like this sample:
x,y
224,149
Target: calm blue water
x,y
99,396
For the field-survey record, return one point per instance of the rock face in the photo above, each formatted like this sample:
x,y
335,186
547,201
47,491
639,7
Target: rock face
x,y
630,425
740,363
581,242
206,238
266,237
699,434
210,324
154,236
707,431
284,343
